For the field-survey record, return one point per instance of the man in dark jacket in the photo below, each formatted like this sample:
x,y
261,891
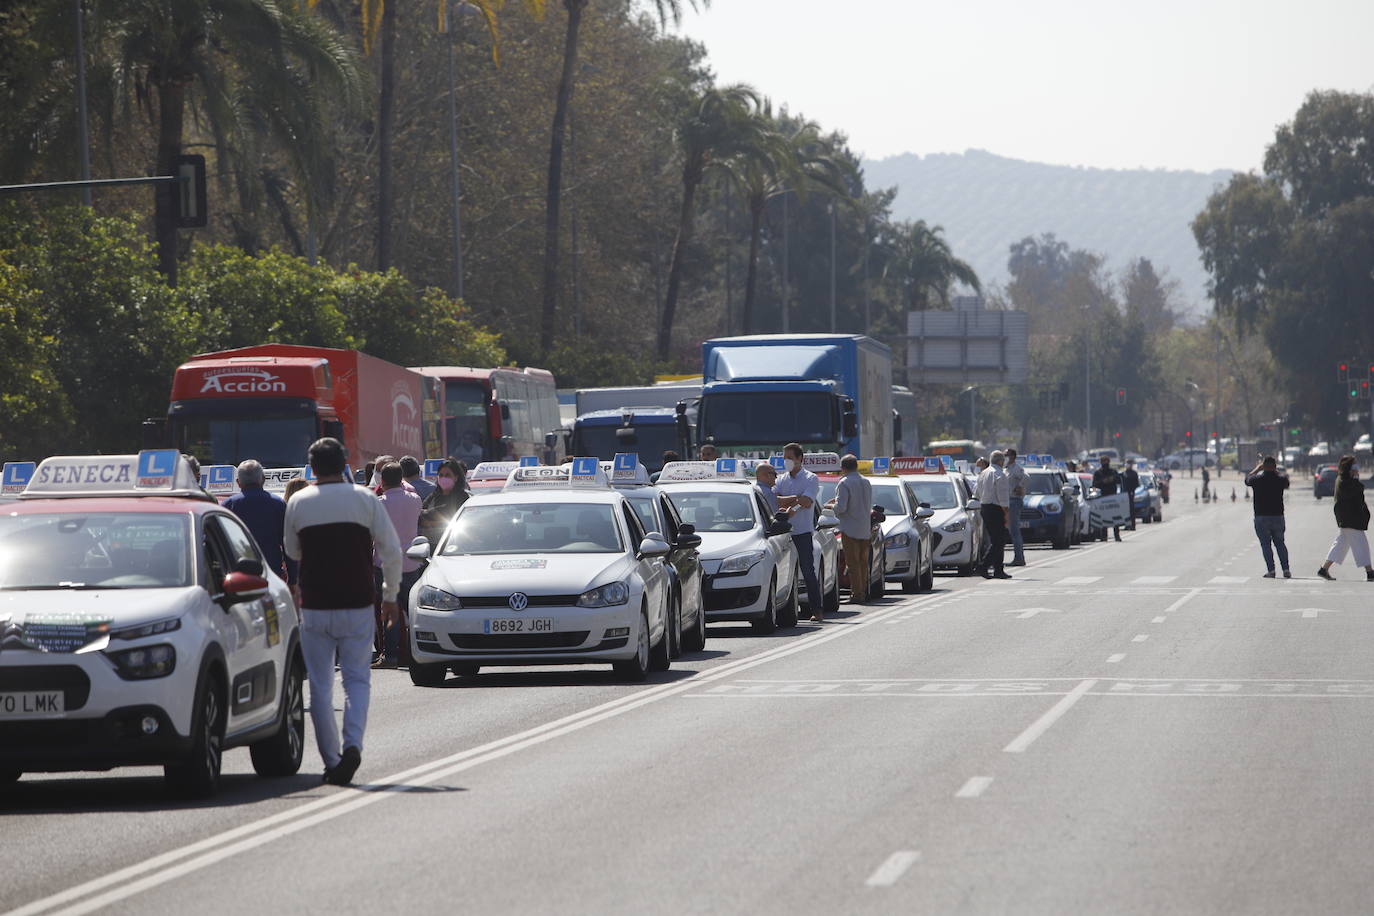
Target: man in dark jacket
x,y
1352,521
1129,481
1270,525
1108,482
264,514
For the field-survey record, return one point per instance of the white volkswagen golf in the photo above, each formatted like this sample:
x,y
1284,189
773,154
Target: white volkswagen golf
x,y
555,569
747,557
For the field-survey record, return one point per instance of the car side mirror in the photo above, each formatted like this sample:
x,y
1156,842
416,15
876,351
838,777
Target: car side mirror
x,y
925,512
1067,491
653,546
973,505
418,549
777,527
877,514
241,587
249,565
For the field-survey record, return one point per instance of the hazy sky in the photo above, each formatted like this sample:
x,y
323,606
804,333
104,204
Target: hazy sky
x,y
1167,84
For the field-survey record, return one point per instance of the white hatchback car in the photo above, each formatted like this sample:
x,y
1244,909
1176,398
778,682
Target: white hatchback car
x,y
555,569
138,626
747,557
956,527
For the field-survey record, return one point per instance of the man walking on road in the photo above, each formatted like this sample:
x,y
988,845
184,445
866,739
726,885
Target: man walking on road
x,y
1269,485
994,492
265,516
1016,479
331,529
797,492
853,504
1129,481
403,507
1108,483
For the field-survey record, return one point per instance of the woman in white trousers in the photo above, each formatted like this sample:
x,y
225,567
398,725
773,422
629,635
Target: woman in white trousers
x,y
1352,521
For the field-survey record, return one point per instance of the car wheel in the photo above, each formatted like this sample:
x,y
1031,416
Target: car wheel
x,y
876,588
694,640
768,623
280,755
791,610
674,626
928,579
465,669
1159,515
832,597
637,667
661,652
428,675
197,775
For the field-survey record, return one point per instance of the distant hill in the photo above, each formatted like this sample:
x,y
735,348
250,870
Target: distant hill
x,y
986,202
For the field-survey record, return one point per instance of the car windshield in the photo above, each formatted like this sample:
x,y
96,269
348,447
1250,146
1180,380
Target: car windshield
x,y
505,528
644,508
76,550
715,511
888,494
1042,485
938,494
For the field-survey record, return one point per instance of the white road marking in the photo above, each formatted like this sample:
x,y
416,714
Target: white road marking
x,y
221,846
1311,612
1079,580
1042,724
1228,580
974,787
1158,620
1141,637
1113,659
1192,593
892,870
1023,613
1153,580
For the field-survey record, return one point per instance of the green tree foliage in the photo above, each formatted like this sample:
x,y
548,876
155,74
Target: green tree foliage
x,y
33,407
1291,252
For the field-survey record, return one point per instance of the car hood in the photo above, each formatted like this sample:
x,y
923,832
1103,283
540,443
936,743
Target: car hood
x,y
66,620
896,524
545,574
717,545
943,517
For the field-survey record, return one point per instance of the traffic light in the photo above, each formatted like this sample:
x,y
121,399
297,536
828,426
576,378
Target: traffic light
x,y
1120,397
1353,389
190,199
1364,389
1371,372
1116,435
1342,372
1188,435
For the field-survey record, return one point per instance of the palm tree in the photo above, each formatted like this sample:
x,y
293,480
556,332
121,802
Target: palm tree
x,y
378,20
242,65
925,267
720,124
667,10
782,159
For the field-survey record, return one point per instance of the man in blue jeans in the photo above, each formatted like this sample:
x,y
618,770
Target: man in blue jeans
x,y
797,492
1269,485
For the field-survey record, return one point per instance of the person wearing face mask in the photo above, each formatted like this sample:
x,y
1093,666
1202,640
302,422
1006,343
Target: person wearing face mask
x,y
450,492
797,492
1352,521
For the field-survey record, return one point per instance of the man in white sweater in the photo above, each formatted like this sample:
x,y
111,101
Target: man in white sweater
x,y
331,530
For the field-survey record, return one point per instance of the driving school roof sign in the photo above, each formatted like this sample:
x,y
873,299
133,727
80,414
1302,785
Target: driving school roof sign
x,y
16,477
160,472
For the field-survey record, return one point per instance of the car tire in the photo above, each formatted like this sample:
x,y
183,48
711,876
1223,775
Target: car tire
x,y
1159,515
832,597
928,579
791,610
428,675
876,588
465,669
694,640
197,775
636,668
674,628
281,754
661,652
768,623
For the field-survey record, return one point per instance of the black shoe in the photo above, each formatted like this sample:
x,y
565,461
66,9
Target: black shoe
x,y
1017,563
342,773
987,574
1321,571
1369,575
1001,575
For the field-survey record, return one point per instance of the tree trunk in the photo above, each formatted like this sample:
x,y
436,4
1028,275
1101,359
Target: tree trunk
x,y
690,179
553,198
751,277
171,103
386,126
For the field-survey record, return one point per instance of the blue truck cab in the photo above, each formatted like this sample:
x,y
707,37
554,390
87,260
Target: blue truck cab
x,y
828,392
650,431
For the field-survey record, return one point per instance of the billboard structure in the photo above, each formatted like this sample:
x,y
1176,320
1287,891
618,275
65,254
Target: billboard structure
x,y
969,346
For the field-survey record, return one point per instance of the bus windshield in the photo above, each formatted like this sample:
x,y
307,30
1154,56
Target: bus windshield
x,y
465,422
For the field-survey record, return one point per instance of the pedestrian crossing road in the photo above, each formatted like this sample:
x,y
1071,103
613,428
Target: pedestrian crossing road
x,y
1142,727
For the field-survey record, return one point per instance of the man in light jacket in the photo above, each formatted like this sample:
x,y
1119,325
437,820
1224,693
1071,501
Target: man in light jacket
x,y
332,529
994,492
853,504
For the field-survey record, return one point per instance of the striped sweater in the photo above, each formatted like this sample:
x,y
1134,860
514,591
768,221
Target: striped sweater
x,y
331,529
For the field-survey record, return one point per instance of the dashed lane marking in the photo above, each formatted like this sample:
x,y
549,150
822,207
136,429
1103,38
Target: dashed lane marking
x,y
1159,620
1153,580
1079,580
1228,580
1051,716
1140,637
963,688
892,869
975,787
1113,659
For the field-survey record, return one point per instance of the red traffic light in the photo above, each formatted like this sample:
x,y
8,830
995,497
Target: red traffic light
x,y
1188,434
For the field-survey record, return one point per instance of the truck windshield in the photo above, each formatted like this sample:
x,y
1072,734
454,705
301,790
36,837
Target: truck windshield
x,y
649,441
277,440
768,418
465,422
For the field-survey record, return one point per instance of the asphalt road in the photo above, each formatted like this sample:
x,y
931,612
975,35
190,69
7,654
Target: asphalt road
x,y
1144,727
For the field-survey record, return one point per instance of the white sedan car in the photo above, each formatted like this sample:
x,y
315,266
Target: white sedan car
x,y
747,557
956,527
555,569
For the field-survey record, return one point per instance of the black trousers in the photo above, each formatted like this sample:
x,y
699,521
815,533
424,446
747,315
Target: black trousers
x,y
995,524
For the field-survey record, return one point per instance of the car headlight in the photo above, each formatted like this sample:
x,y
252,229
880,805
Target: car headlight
x,y
436,599
608,595
1052,506
897,541
955,526
145,662
147,629
742,562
